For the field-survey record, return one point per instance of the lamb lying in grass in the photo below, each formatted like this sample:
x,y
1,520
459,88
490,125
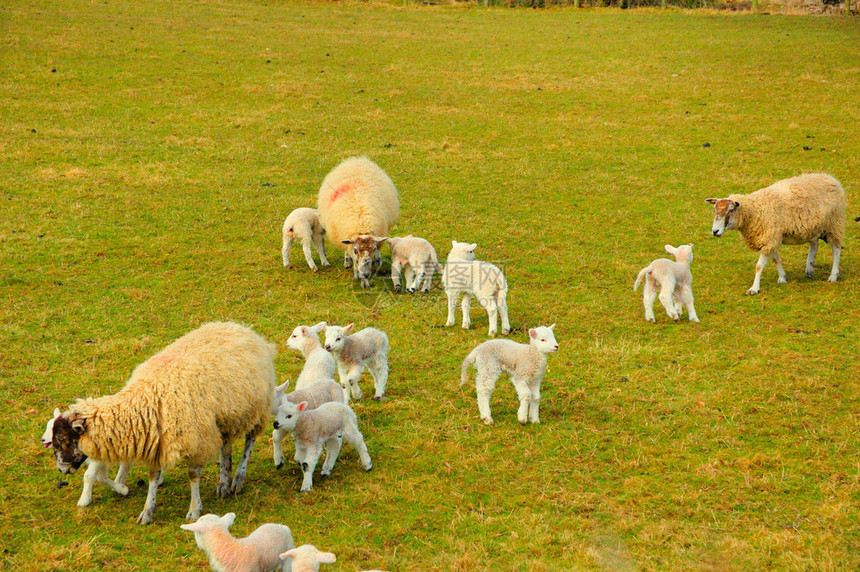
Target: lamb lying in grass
x,y
673,279
417,257
525,364
326,426
319,364
486,282
315,394
367,348
304,224
258,552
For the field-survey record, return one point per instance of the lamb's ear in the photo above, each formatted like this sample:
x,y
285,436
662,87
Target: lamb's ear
x,y
227,519
551,327
712,201
291,553
348,329
194,527
532,333
326,557
670,249
302,406
57,412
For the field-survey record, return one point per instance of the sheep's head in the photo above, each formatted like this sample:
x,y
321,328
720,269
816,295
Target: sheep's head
x,y
462,251
543,339
48,435
68,429
288,414
725,215
683,253
335,336
306,558
206,523
364,249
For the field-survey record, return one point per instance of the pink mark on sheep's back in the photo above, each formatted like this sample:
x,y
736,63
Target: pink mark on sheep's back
x,y
339,191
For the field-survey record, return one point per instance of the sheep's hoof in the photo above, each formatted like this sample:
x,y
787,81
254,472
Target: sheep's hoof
x,y
487,420
751,292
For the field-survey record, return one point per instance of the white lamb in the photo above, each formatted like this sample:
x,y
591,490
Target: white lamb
x,y
326,426
486,282
260,551
525,364
319,364
800,210
185,403
358,204
307,558
315,394
304,224
674,281
417,257
367,348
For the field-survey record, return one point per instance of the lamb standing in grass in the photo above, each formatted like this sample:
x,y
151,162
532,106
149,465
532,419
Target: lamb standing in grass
x,y
317,393
258,552
469,277
319,364
367,348
186,403
800,210
304,224
326,426
358,204
525,364
674,281
417,257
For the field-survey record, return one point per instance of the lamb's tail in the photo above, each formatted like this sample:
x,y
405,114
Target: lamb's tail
x,y
464,369
640,276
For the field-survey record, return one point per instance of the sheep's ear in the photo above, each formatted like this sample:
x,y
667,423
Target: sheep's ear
x,y
326,557
348,329
194,527
532,333
670,249
302,406
712,201
291,553
551,327
57,412
227,519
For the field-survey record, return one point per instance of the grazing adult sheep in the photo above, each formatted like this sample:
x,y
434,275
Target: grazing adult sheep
x,y
319,364
260,551
312,429
799,210
464,275
417,257
365,349
525,364
358,204
186,403
304,224
315,394
674,281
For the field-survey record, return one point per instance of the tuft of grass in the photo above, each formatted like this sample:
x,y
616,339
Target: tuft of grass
x,y
150,153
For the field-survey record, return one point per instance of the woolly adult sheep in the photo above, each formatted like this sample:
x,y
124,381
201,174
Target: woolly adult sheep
x,y
358,204
187,402
799,210
258,552
317,393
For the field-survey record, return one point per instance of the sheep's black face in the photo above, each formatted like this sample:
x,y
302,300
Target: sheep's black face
x,y
68,455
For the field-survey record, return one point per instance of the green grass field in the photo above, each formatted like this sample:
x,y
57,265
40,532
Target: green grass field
x,y
150,152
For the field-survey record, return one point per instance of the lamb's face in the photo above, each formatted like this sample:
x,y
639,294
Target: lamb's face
x,y
462,251
66,439
288,414
335,336
725,215
543,338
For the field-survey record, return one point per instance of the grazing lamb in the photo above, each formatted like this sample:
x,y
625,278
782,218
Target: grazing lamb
x,y
187,402
317,393
674,281
418,257
304,224
525,364
800,210
367,348
260,551
326,426
358,204
319,364
465,275
306,558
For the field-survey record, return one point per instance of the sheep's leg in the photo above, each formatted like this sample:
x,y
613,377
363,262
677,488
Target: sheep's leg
x,y
379,370
309,463
762,262
90,477
466,304
354,437
278,448
534,403
779,270
239,477
687,299
524,394
452,307
309,255
396,265
196,506
226,464
484,385
347,260
834,270
285,250
319,243
502,303
145,517
666,291
810,258
649,294
332,450
492,316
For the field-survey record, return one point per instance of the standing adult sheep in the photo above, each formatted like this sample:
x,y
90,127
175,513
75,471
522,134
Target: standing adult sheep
x,y
186,403
799,210
358,204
